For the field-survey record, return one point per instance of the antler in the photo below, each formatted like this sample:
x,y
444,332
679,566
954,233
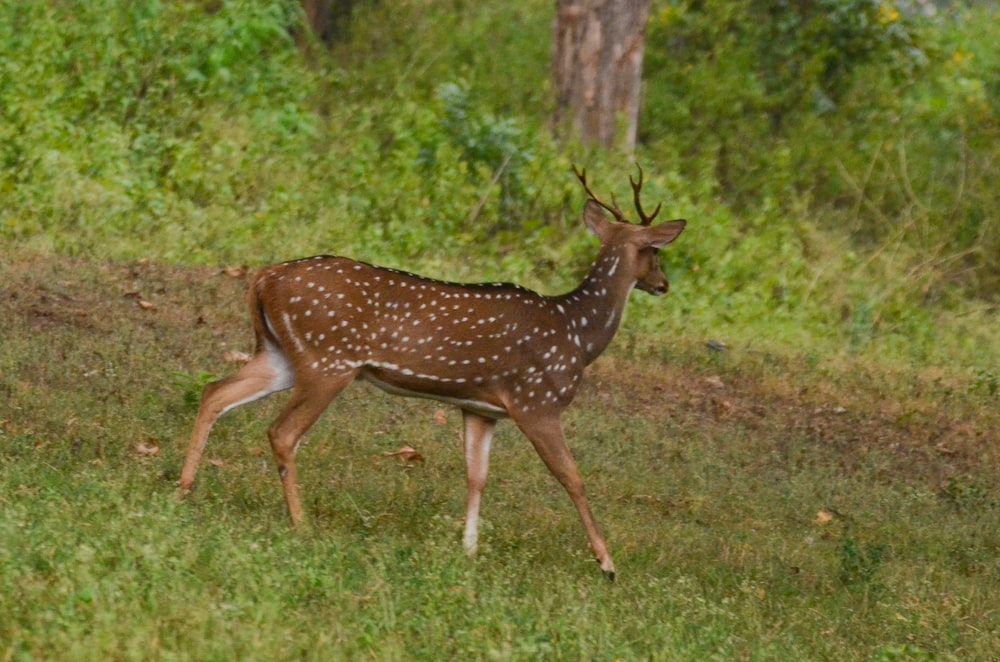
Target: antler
x,y
636,187
615,209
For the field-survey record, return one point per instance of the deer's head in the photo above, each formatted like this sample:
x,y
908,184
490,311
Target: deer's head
x,y
633,247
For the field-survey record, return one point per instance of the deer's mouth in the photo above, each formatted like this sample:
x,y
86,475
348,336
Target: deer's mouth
x,y
655,290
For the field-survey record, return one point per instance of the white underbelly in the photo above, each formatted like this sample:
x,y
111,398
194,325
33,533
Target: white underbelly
x,y
475,406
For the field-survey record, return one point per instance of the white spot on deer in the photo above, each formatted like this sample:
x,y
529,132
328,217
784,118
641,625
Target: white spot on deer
x,y
291,333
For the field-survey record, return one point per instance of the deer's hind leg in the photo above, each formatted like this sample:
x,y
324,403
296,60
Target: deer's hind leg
x,y
267,372
308,401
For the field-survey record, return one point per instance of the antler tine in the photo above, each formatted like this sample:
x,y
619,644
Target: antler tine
x,y
636,187
614,209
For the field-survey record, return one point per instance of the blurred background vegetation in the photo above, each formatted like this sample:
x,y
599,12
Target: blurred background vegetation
x,y
837,159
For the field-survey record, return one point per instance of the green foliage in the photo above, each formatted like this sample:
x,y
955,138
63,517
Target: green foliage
x,y
834,159
859,562
729,78
988,381
872,115
483,141
190,387
139,121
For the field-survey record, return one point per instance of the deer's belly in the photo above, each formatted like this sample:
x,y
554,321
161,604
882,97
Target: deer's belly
x,y
471,404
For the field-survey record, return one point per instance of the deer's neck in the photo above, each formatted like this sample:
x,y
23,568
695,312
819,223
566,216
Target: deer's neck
x,y
594,309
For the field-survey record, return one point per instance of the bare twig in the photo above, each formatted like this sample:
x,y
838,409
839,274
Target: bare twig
x,y
474,214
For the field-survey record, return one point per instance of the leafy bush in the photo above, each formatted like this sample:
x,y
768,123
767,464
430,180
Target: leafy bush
x,y
728,79
875,116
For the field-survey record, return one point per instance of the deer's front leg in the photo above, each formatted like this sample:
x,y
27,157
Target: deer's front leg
x,y
546,435
478,437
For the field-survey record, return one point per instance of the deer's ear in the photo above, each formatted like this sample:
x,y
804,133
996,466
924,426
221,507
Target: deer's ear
x,y
597,220
660,235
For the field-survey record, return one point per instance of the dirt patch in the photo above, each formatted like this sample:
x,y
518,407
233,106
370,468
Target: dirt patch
x,y
923,437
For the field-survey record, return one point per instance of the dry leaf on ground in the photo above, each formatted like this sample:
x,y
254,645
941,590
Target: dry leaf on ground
x,y
147,448
823,516
407,454
235,357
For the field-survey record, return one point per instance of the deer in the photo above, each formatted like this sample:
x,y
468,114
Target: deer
x,y
494,350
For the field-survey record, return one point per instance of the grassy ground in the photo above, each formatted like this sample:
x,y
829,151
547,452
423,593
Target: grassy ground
x,y
759,506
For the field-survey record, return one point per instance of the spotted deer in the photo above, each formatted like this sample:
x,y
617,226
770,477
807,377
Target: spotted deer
x,y
494,350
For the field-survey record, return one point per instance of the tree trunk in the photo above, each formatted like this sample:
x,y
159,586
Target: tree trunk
x,y
597,67
318,15
328,19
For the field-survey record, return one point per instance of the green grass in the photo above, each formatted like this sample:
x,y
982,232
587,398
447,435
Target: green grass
x,y
707,474
826,489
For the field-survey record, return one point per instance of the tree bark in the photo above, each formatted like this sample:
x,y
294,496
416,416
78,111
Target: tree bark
x,y
597,68
318,15
328,19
